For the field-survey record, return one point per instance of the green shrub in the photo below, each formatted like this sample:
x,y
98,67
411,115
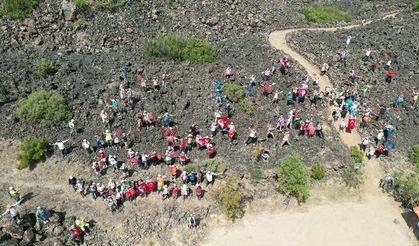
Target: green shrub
x,y
255,171
357,154
216,165
17,8
109,5
406,187
247,107
293,177
317,172
42,107
416,6
80,4
352,176
31,151
44,69
366,7
321,13
231,197
414,157
175,47
234,90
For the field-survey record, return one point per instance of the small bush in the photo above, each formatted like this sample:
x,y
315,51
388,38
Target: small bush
x,y
317,172
109,5
175,47
414,157
352,176
356,154
80,4
293,177
366,7
31,151
255,171
247,107
44,69
231,197
234,90
17,8
42,107
216,165
321,13
406,187
416,6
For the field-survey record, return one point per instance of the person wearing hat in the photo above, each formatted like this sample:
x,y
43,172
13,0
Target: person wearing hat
x,y
61,147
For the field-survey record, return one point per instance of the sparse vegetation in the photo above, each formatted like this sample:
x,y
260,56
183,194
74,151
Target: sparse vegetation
x,y
293,177
366,7
416,6
317,171
318,12
42,107
236,91
44,68
357,154
352,176
231,197
175,47
109,5
255,171
31,151
17,8
406,183
216,165
79,24
247,107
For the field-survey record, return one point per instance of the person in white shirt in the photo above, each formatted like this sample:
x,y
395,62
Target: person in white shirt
x,y
252,136
61,147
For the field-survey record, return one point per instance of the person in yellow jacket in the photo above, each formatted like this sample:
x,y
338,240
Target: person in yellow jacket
x,y
160,182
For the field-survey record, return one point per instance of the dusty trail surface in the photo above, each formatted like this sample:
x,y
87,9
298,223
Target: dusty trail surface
x,y
368,218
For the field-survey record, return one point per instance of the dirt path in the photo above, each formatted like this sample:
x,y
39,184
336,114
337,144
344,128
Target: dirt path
x,y
370,218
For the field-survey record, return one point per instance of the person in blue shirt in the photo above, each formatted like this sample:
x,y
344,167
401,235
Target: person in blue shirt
x,y
249,88
218,85
218,96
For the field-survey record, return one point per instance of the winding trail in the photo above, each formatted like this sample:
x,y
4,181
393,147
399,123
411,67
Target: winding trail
x,y
371,219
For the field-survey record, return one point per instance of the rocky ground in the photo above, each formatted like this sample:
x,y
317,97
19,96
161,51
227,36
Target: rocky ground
x,y
395,36
89,47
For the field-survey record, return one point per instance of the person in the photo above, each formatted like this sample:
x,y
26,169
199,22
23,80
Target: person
x,y
81,222
71,125
388,65
192,178
264,153
72,181
160,182
381,113
14,194
390,75
319,130
199,192
185,191
111,204
14,214
108,138
93,190
364,143
86,146
213,128
173,172
342,125
76,235
61,148
41,215
191,221
252,136
269,130
183,158
348,40
209,178
399,100
388,131
118,198
166,194
367,55
175,191
371,152
379,137
275,98
286,139
218,96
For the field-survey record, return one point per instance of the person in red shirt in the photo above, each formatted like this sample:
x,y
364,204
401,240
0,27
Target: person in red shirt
x,y
76,235
390,76
175,191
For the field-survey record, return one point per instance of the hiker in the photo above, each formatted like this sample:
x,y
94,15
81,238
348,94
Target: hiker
x,y
275,98
160,182
399,100
14,194
175,191
113,161
290,99
41,215
213,128
96,168
269,130
93,190
364,144
342,57
61,148
390,75
191,221
319,130
86,146
183,158
232,133
111,204
286,139
173,172
14,214
108,138
72,181
371,152
81,222
80,187
218,96
118,199
104,116
192,178
198,191
252,136
165,194
76,235
365,120
264,153
388,131
379,137
71,125
367,55
324,68
382,112
348,41
99,141
388,65
209,178
185,191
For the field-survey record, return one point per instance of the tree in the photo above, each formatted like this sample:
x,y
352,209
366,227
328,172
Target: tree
x,y
231,197
31,151
293,177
